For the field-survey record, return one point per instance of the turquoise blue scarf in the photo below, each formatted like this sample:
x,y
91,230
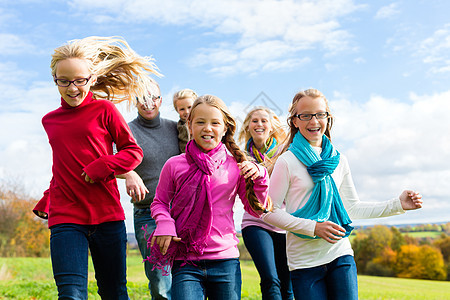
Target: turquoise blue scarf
x,y
325,203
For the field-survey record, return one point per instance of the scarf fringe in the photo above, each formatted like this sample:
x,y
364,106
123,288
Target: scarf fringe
x,y
176,249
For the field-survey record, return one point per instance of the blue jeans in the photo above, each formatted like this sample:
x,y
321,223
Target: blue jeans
x,y
158,284
268,251
69,245
215,279
335,280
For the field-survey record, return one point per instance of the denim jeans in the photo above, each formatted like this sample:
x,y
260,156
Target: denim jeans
x,y
158,284
335,280
69,244
216,279
268,251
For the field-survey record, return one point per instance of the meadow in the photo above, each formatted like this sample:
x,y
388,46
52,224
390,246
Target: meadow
x,y
31,278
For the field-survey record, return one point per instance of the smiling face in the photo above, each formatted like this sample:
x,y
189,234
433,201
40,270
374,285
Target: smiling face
x,y
314,129
260,127
71,69
150,110
183,107
207,126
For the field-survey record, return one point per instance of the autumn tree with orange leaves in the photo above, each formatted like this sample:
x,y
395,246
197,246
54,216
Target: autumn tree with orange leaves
x,y
21,232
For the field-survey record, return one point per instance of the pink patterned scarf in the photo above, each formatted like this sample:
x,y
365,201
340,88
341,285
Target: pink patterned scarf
x,y
191,207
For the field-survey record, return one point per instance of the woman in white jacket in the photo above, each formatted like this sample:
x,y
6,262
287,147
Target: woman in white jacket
x,y
315,182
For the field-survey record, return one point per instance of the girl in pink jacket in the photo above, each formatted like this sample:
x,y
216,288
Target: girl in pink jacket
x,y
193,206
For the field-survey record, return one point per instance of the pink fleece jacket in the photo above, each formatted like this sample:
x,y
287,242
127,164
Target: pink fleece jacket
x,y
225,184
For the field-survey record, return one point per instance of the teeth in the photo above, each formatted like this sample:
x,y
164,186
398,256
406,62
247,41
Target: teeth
x,y
207,137
259,130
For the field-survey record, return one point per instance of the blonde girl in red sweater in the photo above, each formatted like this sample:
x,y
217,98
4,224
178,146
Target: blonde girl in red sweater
x,y
83,201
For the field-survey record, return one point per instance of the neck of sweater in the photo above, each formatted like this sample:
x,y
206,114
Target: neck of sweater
x,y
153,123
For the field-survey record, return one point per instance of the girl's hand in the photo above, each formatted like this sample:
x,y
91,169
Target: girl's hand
x,y
411,200
163,242
248,169
329,231
87,178
136,188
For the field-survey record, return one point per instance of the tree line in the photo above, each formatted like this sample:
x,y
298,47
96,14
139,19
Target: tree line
x,y
385,251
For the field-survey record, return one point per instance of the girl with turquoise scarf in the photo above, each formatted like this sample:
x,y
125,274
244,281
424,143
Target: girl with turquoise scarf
x,y
262,133
314,181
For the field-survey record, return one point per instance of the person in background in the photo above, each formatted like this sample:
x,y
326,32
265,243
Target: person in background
x,y
262,133
158,139
193,206
83,203
182,102
314,181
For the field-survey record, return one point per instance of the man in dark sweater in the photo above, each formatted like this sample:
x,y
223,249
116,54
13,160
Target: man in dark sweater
x,y
158,138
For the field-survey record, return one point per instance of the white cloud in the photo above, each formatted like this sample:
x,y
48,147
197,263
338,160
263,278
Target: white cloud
x,y
387,12
393,145
435,50
11,44
261,32
359,60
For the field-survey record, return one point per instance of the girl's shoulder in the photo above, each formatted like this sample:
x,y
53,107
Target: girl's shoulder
x,y
288,157
177,159
175,165
104,104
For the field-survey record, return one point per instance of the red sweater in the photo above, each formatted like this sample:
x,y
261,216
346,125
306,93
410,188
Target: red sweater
x,y
82,139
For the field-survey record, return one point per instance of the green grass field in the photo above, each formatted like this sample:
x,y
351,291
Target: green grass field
x,y
31,278
424,234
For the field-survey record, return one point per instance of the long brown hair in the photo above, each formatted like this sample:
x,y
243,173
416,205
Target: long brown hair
x,y
228,141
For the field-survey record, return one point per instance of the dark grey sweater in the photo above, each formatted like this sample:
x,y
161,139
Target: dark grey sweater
x,y
158,138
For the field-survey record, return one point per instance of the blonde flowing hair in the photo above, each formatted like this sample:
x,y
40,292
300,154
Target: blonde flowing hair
x,y
122,74
278,132
230,144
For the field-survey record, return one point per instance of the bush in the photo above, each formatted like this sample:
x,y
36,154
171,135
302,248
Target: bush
x,y
21,232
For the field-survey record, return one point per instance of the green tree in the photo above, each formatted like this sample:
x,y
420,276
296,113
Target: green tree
x,y
398,239
382,265
443,243
370,244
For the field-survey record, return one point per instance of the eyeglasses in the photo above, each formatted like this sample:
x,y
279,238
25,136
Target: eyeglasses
x,y
76,82
308,117
150,99
153,98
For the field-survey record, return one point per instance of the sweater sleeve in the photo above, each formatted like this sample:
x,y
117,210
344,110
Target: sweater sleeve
x,y
261,187
278,190
42,207
160,207
357,209
129,155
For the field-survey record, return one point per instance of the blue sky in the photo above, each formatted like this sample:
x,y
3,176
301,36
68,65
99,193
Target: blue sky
x,y
383,65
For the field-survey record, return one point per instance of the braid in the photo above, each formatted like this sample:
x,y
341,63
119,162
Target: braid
x,y
239,155
231,145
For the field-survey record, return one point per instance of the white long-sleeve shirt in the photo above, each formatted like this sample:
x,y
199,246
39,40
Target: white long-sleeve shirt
x,y
291,183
